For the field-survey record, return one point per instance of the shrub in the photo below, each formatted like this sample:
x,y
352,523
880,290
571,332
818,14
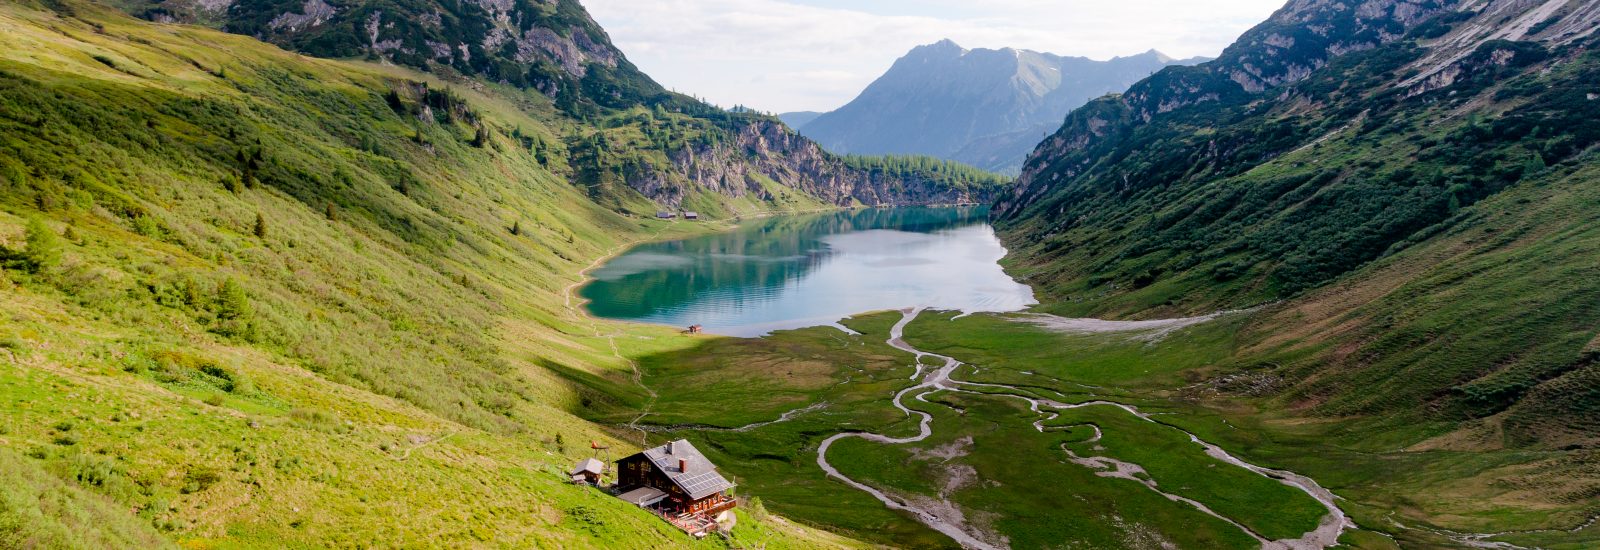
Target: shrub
x,y
199,479
91,470
147,226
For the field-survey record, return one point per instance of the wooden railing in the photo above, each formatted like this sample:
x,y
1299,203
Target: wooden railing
x,y
703,521
720,507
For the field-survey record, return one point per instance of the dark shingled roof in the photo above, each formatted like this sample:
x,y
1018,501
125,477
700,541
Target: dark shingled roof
x,y
700,479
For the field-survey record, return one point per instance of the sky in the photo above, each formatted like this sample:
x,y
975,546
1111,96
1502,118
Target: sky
x,y
795,55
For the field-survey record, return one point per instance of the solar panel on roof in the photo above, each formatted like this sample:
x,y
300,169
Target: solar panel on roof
x,y
701,478
701,485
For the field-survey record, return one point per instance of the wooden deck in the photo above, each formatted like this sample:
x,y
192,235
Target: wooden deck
x,y
703,522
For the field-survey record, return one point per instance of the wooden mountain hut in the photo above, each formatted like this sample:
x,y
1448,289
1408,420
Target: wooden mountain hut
x,y
676,481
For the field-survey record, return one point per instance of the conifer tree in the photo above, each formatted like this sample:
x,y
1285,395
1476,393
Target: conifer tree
x,y
234,311
261,226
43,250
232,302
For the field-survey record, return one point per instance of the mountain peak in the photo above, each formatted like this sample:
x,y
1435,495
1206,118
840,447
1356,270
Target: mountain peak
x,y
1150,54
943,47
924,104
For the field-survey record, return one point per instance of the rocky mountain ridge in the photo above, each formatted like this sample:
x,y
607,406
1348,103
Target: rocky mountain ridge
x,y
770,151
1298,39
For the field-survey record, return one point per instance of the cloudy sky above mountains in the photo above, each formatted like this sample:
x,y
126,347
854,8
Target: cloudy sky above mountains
x,y
791,55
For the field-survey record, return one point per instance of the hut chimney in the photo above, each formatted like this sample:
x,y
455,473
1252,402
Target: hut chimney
x,y
683,465
669,447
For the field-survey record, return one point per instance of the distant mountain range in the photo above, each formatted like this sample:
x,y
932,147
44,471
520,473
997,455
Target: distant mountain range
x,y
982,107
799,119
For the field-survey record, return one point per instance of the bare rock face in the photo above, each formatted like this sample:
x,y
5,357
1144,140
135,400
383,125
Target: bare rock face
x,y
1553,23
532,43
313,13
768,149
1305,34
573,53
1300,38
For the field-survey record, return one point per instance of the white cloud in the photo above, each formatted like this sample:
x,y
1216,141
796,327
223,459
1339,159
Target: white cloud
x,y
783,55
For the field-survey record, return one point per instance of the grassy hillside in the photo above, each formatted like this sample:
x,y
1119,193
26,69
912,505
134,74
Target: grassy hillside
x,y
256,299
1229,204
1365,163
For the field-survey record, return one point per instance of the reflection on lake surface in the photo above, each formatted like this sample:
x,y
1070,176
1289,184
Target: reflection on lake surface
x,y
799,271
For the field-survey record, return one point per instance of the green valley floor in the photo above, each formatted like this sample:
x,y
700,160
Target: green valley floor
x,y
1043,432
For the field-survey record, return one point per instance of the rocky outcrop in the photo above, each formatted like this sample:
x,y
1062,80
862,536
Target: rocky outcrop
x,y
1552,23
550,45
313,13
767,149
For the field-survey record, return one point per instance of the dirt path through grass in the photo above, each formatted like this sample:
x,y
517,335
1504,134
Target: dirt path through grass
x,y
577,314
932,382
1325,535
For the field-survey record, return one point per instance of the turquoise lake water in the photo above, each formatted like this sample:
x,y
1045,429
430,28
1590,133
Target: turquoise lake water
x,y
800,271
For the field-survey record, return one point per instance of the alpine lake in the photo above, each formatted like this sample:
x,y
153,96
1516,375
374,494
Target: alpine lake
x,y
807,270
